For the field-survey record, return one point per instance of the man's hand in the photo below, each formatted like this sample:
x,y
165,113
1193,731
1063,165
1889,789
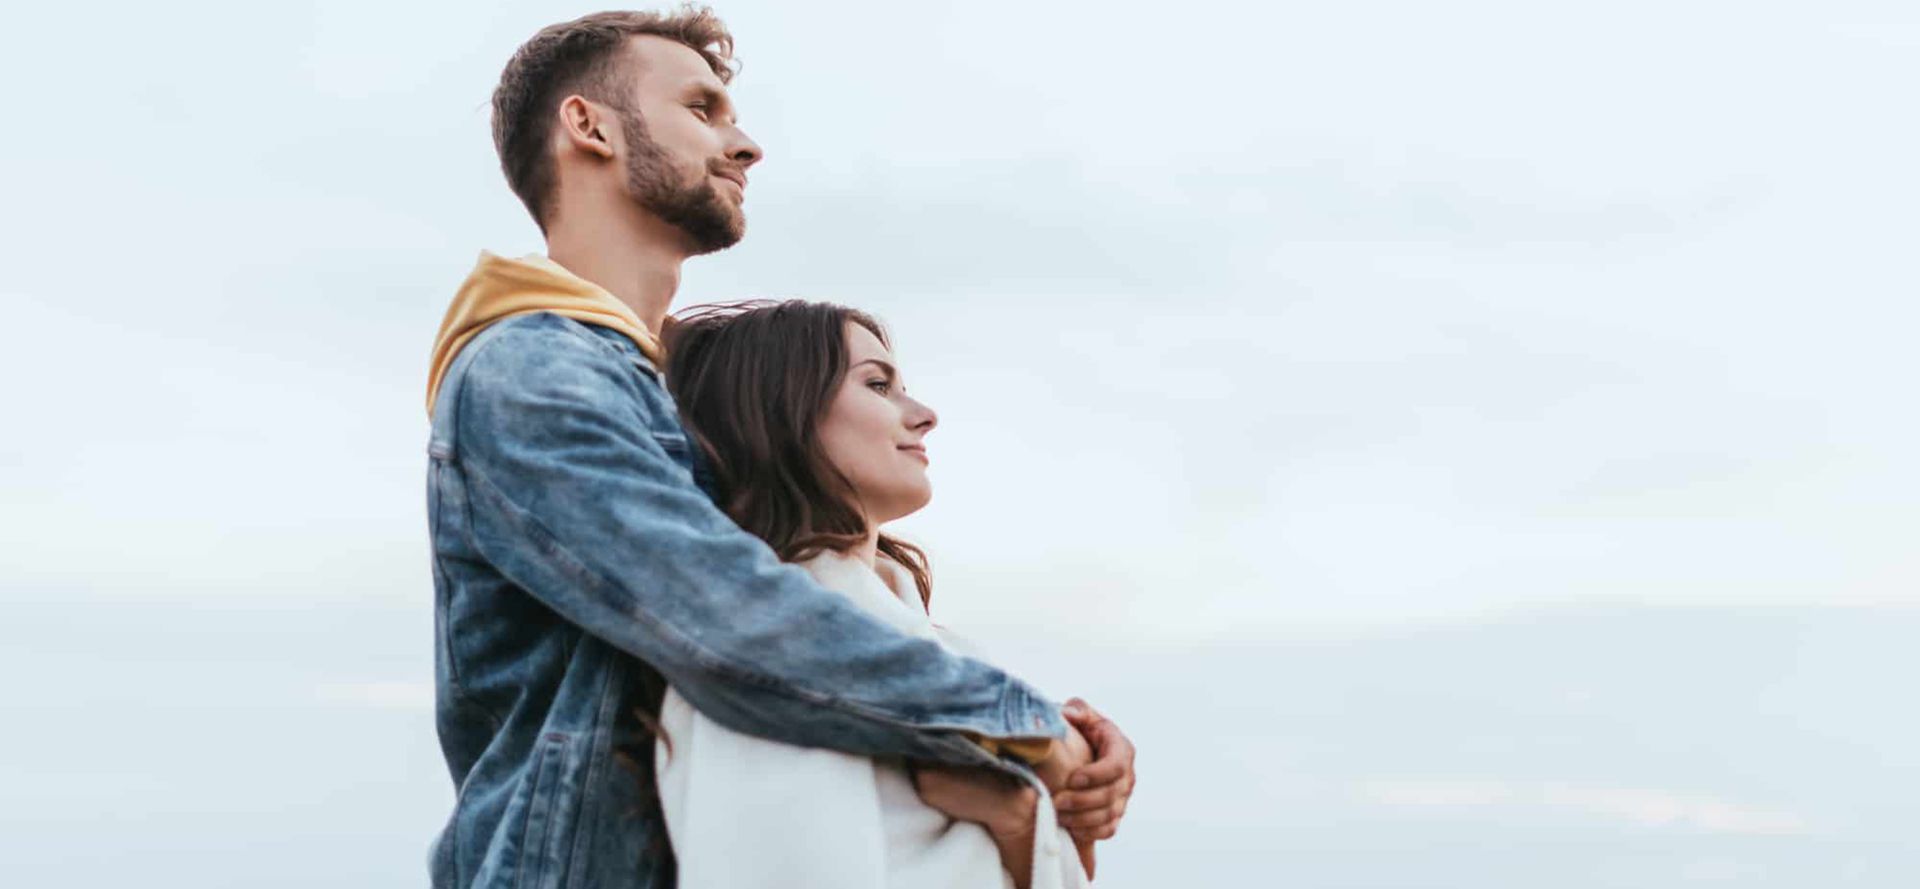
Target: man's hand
x,y
1096,796
1064,757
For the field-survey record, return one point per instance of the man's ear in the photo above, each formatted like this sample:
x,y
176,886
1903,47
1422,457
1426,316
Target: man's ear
x,y
587,127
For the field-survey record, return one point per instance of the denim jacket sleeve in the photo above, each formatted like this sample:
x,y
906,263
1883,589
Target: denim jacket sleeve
x,y
574,497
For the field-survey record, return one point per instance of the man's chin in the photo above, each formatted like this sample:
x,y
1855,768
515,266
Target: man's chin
x,y
718,237
708,221
717,242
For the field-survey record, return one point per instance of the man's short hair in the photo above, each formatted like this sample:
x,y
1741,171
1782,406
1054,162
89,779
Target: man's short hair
x,y
582,56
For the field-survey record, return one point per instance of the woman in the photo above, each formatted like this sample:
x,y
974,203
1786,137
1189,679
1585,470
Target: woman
x,y
813,445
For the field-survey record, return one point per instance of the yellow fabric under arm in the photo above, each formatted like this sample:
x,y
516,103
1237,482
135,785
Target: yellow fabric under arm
x,y
1028,750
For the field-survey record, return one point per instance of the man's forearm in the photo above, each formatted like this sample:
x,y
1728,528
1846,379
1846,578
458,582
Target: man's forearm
x,y
849,683
589,514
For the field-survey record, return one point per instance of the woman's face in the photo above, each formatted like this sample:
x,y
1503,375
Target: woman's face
x,y
872,432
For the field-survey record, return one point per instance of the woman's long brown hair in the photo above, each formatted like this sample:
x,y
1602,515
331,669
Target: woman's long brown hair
x,y
753,381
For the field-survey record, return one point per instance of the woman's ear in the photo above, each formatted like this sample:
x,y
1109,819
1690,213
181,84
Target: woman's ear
x,y
588,127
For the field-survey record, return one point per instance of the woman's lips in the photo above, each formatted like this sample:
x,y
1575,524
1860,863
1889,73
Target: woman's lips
x,y
919,451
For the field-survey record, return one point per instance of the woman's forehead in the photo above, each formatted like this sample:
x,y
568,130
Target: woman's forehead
x,y
863,345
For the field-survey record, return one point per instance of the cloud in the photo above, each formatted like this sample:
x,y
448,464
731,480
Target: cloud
x,y
1660,808
1641,806
384,694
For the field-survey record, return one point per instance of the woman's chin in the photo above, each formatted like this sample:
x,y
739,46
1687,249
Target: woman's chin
x,y
904,503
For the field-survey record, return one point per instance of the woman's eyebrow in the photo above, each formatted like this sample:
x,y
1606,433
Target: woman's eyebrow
x,y
882,364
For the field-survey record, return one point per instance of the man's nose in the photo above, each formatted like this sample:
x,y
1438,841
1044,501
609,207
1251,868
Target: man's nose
x,y
742,150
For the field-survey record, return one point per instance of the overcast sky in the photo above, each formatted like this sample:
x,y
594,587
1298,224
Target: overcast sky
x,y
1246,322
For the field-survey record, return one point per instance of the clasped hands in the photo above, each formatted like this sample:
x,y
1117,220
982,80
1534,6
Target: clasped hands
x,y
1089,773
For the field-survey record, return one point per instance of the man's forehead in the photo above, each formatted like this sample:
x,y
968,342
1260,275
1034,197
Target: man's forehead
x,y
669,64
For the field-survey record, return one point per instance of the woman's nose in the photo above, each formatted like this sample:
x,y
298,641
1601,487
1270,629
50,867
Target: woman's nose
x,y
921,418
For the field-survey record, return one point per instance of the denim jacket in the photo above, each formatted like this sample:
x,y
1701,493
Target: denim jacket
x,y
577,562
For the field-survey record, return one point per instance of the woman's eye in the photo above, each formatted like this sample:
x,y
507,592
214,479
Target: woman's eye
x,y
880,386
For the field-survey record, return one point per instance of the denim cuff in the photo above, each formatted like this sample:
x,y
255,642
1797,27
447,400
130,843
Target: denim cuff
x,y
1028,715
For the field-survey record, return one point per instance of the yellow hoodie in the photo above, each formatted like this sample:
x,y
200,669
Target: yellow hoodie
x,y
500,288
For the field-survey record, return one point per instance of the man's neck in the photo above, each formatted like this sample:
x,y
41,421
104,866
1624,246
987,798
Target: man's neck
x,y
638,261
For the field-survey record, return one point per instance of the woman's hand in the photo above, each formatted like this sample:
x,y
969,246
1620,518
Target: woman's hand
x,y
1004,806
985,797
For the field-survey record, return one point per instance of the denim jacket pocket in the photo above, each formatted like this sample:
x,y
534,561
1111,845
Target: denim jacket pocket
x,y
674,444
645,366
681,451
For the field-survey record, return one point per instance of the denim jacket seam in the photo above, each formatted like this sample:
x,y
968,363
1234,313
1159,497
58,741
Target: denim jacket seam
x,y
444,601
860,708
443,598
454,463
1014,717
616,346
536,772
578,331
581,330
624,347
598,734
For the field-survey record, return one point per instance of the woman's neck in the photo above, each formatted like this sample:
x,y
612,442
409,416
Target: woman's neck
x,y
867,550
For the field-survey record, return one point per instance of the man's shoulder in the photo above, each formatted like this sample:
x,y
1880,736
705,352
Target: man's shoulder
x,y
540,356
543,332
544,341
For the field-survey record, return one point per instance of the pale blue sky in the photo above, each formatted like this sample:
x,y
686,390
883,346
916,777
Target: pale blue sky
x,y
1256,326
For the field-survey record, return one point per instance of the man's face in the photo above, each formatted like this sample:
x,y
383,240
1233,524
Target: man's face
x,y
687,158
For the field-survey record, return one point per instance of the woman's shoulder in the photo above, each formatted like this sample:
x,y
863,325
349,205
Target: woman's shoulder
x,y
900,580
877,588
848,574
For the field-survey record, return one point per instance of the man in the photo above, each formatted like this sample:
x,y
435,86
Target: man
x,y
577,562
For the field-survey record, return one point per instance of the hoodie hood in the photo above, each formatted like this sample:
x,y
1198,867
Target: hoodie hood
x,y
500,288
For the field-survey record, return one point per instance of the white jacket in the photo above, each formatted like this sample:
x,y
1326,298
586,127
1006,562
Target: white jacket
x,y
748,813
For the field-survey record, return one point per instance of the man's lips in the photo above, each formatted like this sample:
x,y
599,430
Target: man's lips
x,y
739,179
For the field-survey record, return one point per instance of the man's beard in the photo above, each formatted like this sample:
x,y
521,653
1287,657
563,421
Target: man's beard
x,y
709,220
